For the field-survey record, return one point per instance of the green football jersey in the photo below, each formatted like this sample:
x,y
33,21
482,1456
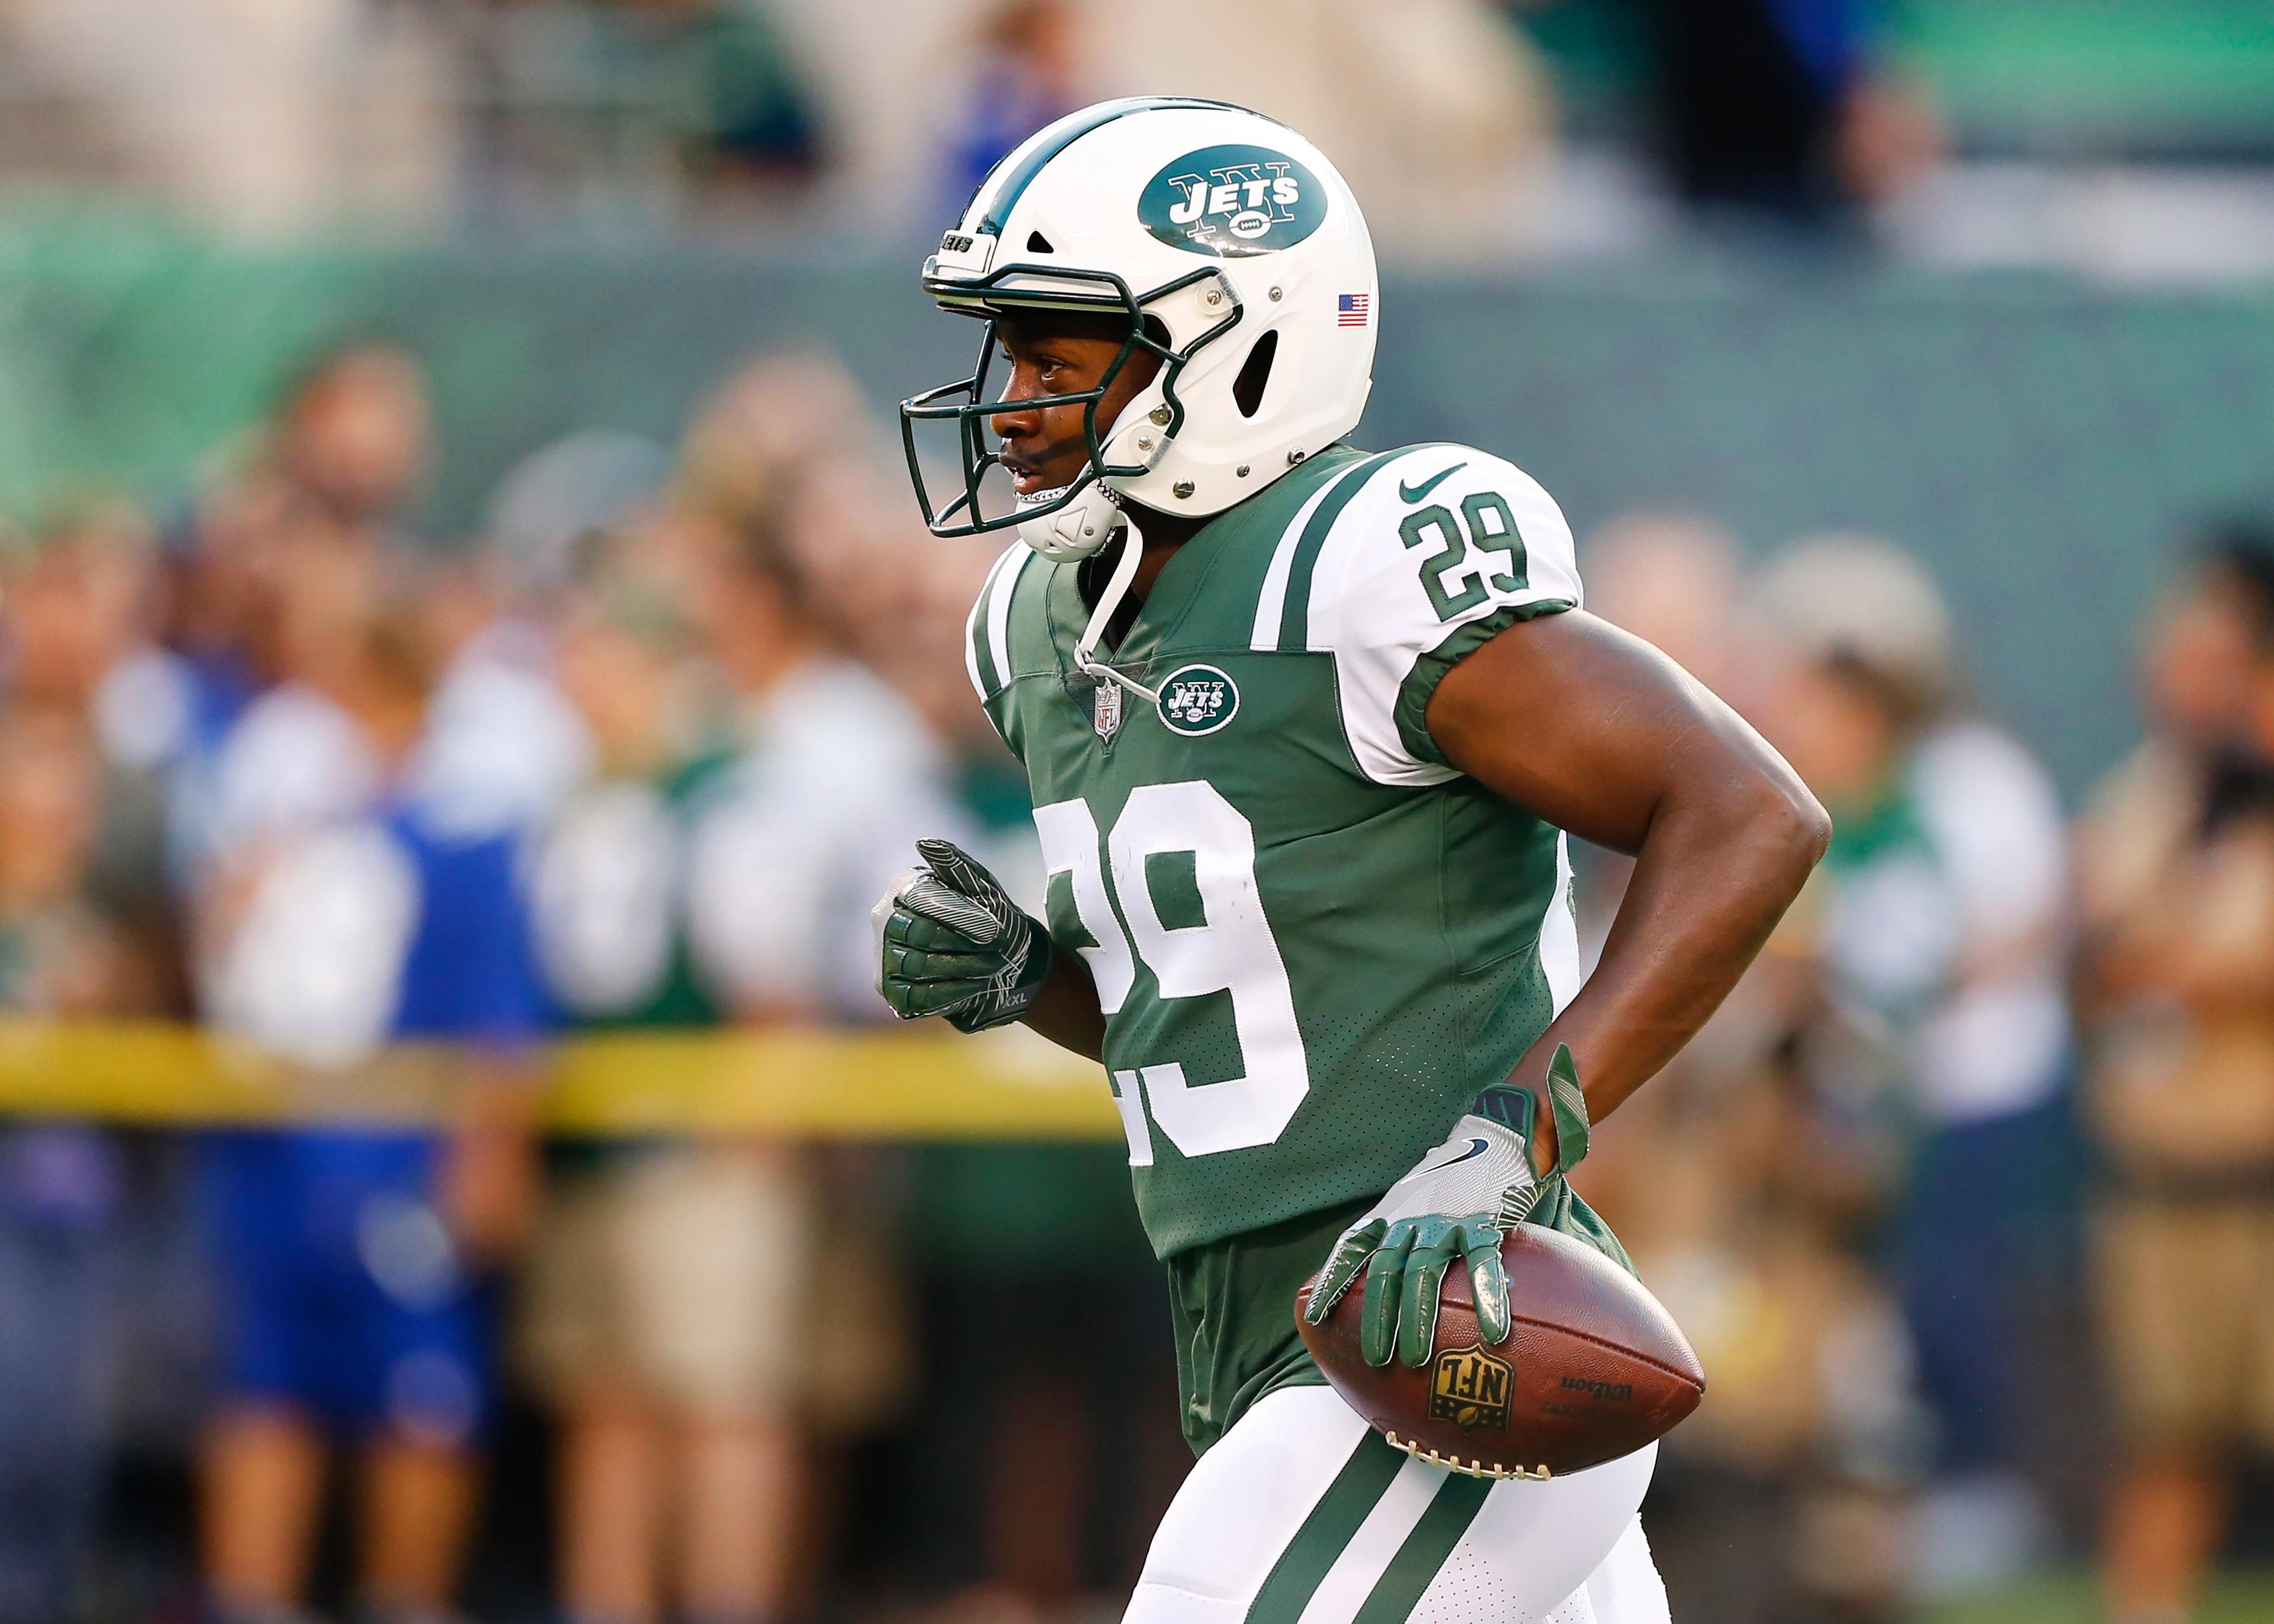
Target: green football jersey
x,y
1314,940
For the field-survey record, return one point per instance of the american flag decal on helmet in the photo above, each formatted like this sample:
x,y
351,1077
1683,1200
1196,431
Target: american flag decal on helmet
x,y
1349,309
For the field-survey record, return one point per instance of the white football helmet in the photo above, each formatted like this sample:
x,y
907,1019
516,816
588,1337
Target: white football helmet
x,y
1237,255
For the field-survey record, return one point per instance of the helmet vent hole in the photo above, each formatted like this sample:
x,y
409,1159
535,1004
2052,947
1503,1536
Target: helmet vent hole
x,y
1254,374
1036,242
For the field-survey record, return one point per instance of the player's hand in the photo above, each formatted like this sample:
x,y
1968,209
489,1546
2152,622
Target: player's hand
x,y
1453,1205
951,941
1458,1202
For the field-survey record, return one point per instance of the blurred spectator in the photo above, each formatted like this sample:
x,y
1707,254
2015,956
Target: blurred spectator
x,y
346,449
1049,1448
640,109
1013,1236
1028,73
552,518
1944,917
2177,863
767,426
1779,105
787,441
78,601
663,1301
340,913
355,437
1671,581
502,746
719,864
82,616
326,490
85,931
1781,1500
745,116
835,779
62,1187
1777,1501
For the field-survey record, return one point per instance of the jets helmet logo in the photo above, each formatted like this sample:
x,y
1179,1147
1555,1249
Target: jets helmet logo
x,y
1197,700
1232,202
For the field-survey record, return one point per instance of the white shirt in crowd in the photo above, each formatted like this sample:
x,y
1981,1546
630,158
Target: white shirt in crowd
x,y
839,780
1960,933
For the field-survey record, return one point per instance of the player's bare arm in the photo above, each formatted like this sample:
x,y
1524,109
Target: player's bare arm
x,y
1601,735
1598,734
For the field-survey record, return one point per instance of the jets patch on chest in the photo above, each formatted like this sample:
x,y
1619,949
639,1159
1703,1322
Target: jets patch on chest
x,y
1198,700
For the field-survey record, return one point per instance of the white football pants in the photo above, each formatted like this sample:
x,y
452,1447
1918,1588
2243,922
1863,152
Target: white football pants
x,y
1303,1514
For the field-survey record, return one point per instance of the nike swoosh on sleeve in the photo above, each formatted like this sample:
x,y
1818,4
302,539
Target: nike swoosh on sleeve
x,y
1415,493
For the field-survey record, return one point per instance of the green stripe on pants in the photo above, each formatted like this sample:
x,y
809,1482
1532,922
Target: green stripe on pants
x,y
1362,1481
1425,1550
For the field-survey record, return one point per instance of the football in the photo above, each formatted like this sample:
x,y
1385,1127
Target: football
x,y
1594,1367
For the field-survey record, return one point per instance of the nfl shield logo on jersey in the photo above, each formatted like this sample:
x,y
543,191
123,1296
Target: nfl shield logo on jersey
x,y
1197,700
1106,709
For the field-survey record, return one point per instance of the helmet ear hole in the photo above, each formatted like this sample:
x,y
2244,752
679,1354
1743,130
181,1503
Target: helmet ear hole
x,y
1255,374
1036,242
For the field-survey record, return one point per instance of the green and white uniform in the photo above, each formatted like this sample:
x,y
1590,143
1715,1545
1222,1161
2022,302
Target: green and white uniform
x,y
1314,942
1312,939
1304,1515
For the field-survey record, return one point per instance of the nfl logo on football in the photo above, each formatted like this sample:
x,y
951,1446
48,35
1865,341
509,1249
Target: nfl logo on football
x,y
1471,1389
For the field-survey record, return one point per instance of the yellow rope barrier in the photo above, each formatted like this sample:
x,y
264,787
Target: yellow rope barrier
x,y
924,1084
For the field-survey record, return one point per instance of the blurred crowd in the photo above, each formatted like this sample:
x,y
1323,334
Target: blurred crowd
x,y
869,116
642,755
1967,1198
1965,1193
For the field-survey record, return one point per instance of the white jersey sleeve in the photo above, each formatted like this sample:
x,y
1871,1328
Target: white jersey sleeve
x,y
1439,548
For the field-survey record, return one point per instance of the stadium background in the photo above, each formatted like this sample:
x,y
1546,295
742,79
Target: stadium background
x,y
2034,350
2010,427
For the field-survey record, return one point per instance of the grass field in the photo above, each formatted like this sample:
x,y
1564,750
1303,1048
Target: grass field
x,y
2238,1598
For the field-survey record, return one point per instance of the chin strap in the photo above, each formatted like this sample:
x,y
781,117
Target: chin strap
x,y
1116,588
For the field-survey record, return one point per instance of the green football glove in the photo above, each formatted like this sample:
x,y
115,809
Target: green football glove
x,y
951,941
1457,1203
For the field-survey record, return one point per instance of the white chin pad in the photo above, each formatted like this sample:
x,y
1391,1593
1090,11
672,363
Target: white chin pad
x,y
1075,530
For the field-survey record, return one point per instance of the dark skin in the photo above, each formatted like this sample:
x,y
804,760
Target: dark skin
x,y
1566,715
1044,449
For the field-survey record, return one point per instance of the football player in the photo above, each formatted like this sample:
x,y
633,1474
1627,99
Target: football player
x,y
1305,726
